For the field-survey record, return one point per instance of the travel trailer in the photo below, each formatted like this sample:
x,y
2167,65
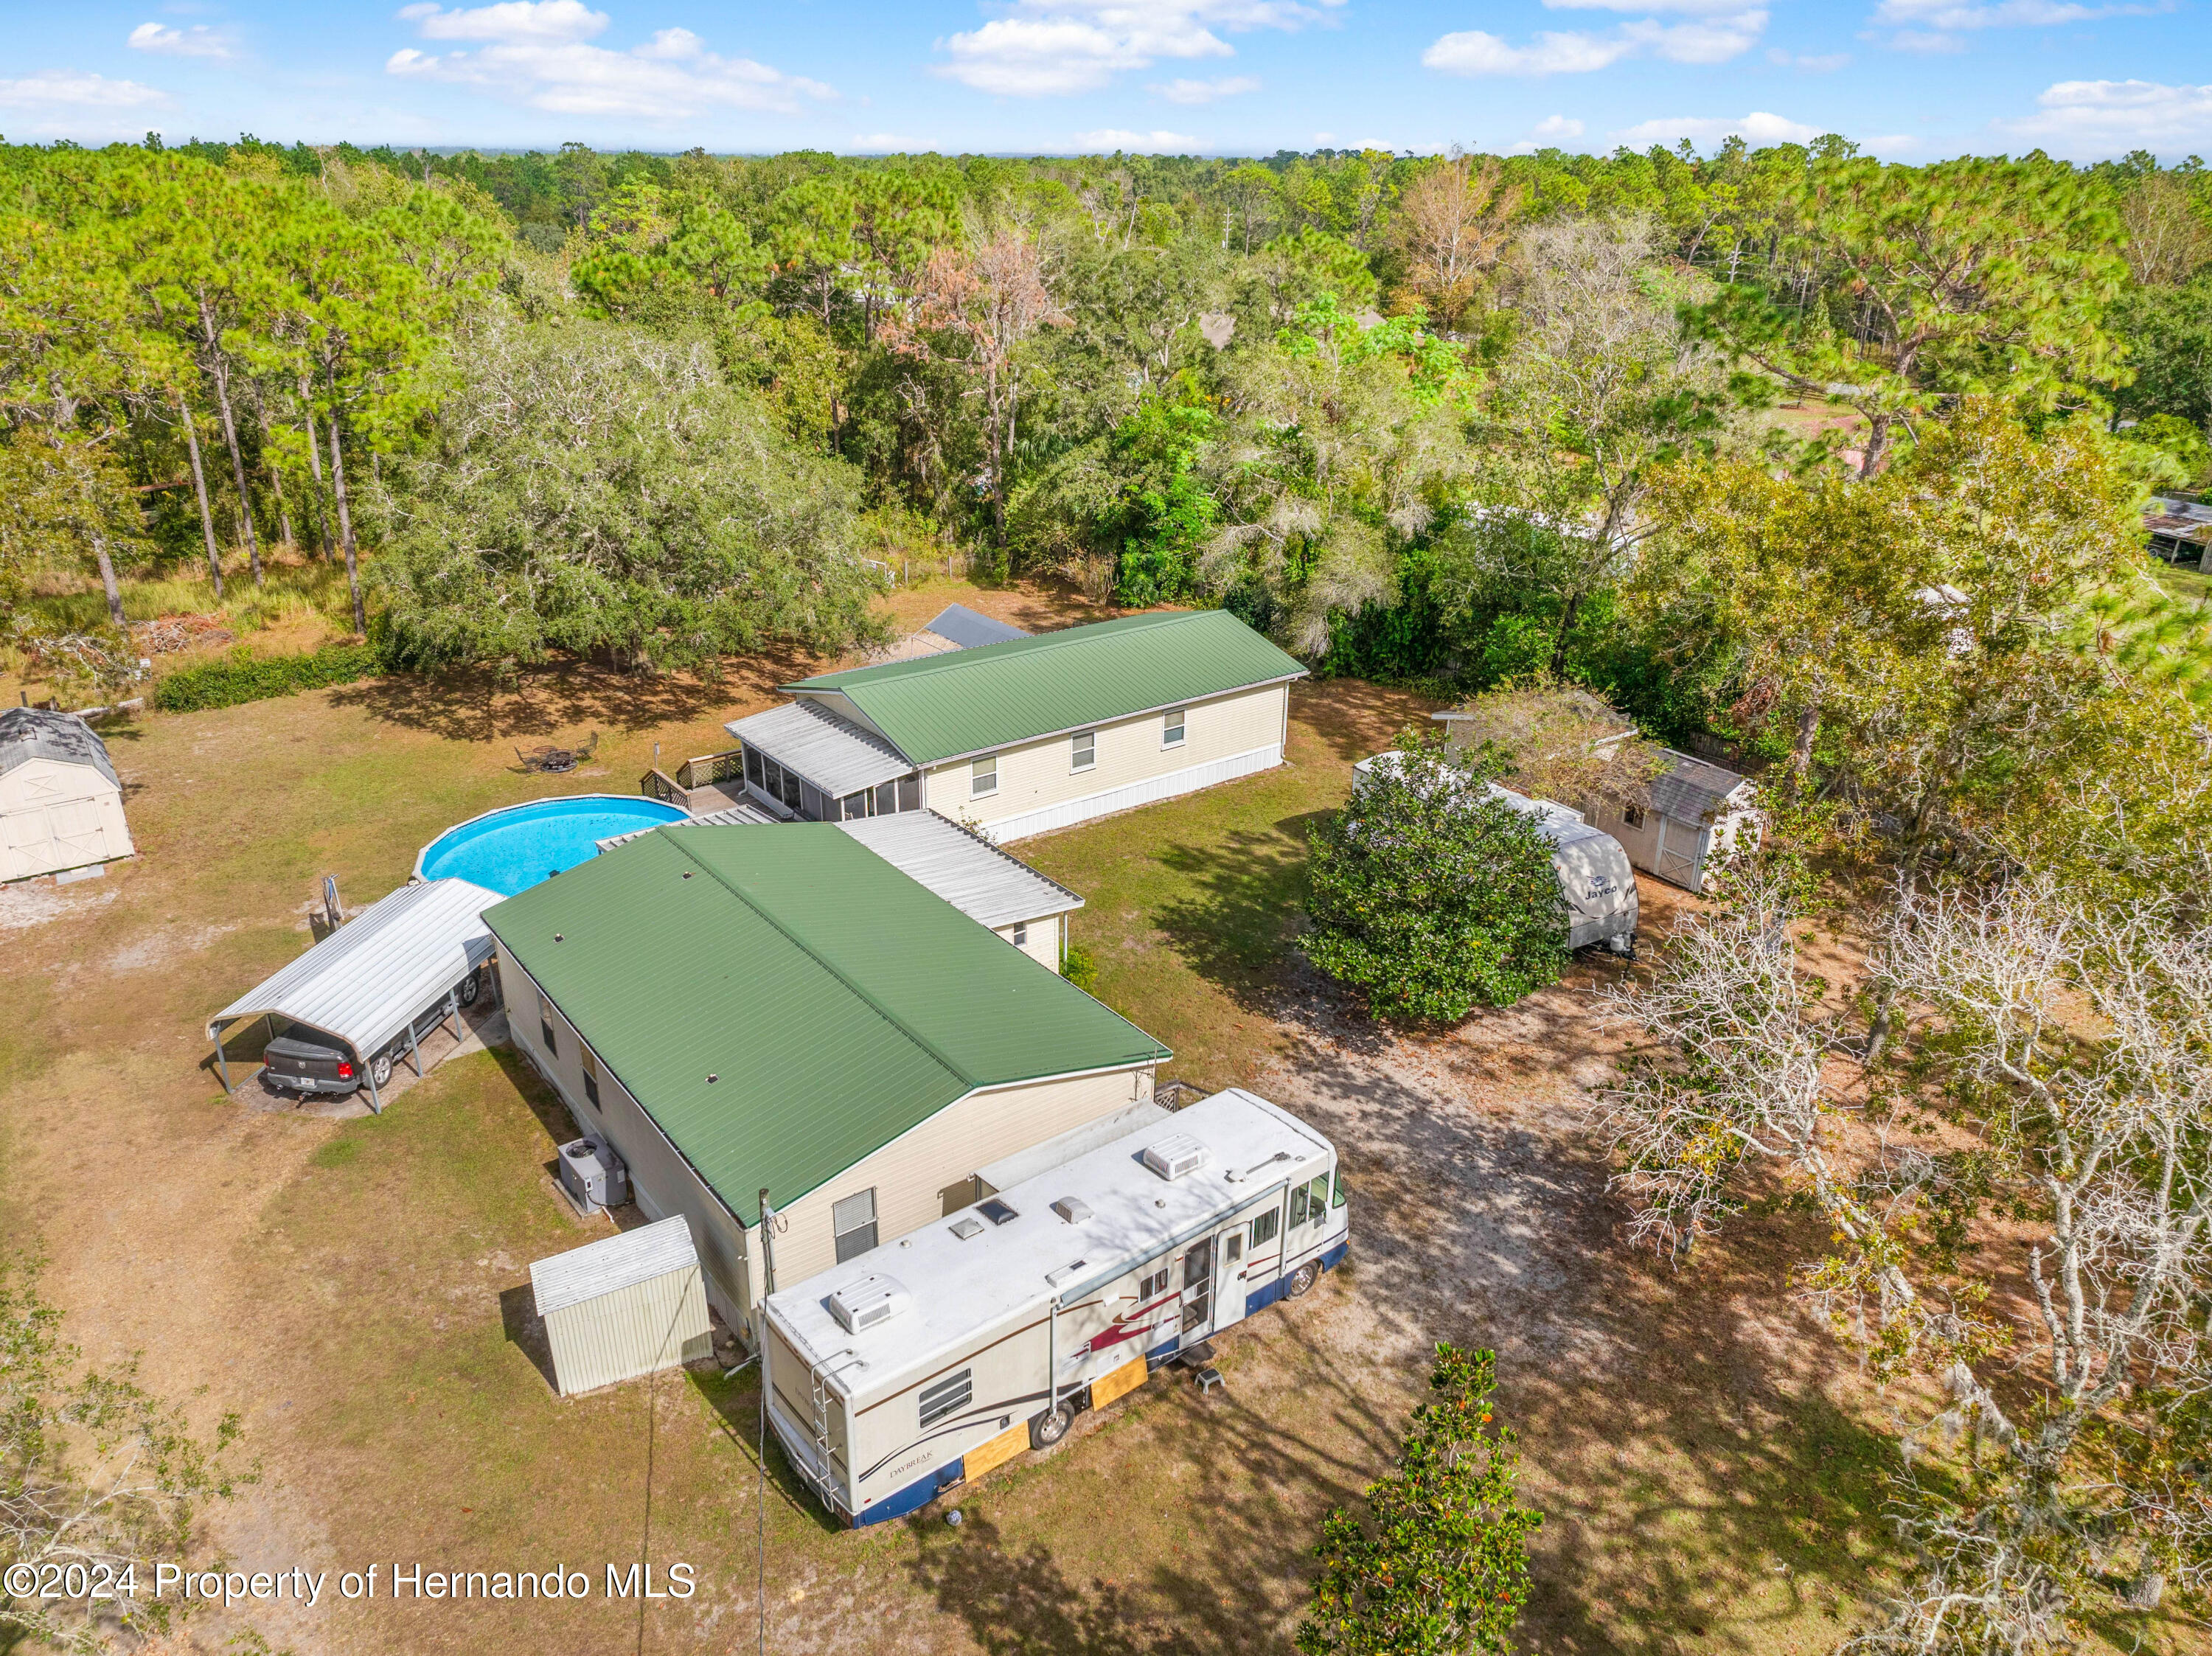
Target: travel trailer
x,y
924,1363
1592,866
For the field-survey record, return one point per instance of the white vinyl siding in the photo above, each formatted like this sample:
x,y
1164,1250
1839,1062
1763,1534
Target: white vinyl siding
x,y
1230,734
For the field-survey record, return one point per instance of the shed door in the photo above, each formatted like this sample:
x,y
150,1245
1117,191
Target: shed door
x,y
75,828
29,844
1681,855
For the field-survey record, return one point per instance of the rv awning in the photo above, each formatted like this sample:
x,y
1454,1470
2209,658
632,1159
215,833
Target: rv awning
x,y
368,979
966,869
838,758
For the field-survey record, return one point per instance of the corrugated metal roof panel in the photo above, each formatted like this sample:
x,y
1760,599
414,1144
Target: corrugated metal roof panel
x,y
364,981
969,630
29,733
982,882
612,1263
838,757
943,707
835,1002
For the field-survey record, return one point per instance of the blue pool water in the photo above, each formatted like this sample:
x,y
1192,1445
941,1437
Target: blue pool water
x,y
511,850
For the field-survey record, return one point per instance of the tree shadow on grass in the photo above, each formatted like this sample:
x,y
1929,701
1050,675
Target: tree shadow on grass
x,y
1236,927
481,704
1353,718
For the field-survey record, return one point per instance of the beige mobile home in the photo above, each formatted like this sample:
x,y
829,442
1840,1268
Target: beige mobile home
x,y
61,806
747,1008
1029,734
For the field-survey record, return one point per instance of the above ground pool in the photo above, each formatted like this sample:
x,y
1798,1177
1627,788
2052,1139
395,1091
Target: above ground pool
x,y
511,850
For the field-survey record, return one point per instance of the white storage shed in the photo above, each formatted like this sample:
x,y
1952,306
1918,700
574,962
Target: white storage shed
x,y
1693,814
61,806
632,1304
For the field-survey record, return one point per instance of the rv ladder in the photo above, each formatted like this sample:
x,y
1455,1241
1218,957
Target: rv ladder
x,y
820,1423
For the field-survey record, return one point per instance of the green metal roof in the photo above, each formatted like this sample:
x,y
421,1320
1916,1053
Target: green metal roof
x,y
837,1002
966,701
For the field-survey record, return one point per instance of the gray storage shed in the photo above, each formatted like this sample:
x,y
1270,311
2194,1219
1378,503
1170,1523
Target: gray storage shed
x,y
1692,812
367,985
632,1304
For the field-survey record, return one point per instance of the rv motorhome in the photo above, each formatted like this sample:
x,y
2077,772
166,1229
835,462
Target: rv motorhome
x,y
1592,866
925,1363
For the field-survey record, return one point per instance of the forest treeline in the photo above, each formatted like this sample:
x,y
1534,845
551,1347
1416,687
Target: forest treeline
x,y
1409,414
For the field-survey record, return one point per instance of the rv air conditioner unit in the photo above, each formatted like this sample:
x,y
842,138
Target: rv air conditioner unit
x,y
1073,1209
860,1305
1175,1155
594,1174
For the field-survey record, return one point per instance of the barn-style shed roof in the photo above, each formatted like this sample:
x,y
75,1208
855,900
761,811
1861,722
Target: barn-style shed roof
x,y
783,1002
970,701
29,733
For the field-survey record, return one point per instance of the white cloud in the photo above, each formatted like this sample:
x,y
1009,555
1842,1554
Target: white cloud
x,y
1205,92
1574,52
512,19
1758,127
1111,138
64,103
1932,26
1812,63
197,41
2089,118
1549,134
2004,14
1052,48
538,52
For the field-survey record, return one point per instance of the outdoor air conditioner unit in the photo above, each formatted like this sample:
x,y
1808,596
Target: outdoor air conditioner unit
x,y
593,1175
862,1303
1175,1155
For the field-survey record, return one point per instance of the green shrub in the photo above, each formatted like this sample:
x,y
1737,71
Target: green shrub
x,y
242,676
1080,967
1430,897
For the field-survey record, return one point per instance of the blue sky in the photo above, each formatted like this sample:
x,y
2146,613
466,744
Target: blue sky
x,y
1909,79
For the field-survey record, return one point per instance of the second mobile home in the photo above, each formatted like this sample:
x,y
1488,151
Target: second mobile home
x,y
928,1361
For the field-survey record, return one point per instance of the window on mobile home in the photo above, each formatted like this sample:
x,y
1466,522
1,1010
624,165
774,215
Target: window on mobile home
x,y
590,1063
1083,750
947,1397
983,776
1264,1226
545,1025
1171,726
1155,1283
854,1222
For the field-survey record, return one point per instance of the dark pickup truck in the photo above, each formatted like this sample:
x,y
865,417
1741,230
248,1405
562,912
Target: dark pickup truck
x,y
311,1062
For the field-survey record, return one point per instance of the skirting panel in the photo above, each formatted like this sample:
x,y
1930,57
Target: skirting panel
x,y
1129,796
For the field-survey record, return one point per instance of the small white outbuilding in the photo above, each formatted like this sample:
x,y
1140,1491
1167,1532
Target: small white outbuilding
x,y
61,806
632,1304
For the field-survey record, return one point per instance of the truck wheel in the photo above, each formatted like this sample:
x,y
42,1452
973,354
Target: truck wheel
x,y
1304,1278
380,1070
471,986
1048,1428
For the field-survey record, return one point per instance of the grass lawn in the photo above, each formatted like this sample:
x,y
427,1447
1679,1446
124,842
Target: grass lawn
x,y
359,1289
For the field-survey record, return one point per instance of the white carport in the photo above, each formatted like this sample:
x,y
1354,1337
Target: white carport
x,y
367,984
632,1304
